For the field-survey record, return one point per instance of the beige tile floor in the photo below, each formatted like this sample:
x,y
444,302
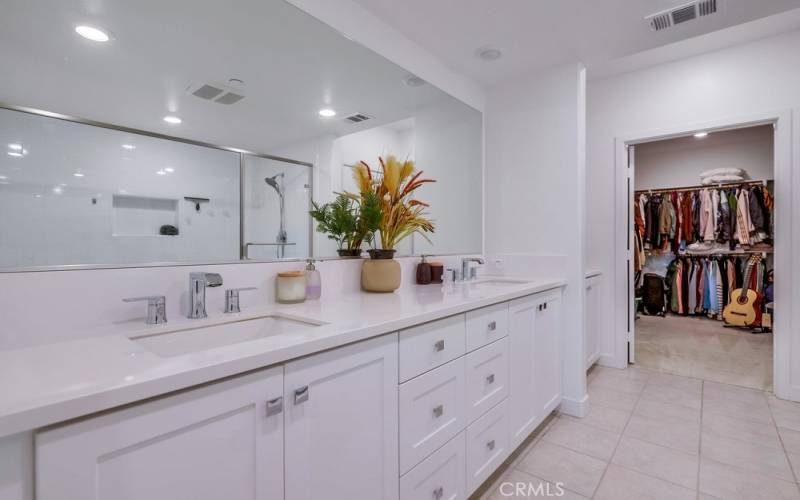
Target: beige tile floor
x,y
704,348
653,435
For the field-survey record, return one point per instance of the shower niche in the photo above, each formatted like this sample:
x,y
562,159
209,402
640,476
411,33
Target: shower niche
x,y
143,215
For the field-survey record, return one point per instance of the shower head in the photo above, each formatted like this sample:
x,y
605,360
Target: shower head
x,y
273,181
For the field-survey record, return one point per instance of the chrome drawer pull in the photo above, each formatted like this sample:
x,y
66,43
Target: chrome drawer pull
x,y
438,411
490,378
490,445
438,493
274,406
301,395
493,326
439,345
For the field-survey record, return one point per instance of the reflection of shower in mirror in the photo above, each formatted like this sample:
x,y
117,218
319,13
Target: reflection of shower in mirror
x,y
277,183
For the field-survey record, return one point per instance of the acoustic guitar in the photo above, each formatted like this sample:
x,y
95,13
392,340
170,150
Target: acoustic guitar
x,y
744,308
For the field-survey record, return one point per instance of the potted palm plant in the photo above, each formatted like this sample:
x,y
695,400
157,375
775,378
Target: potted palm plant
x,y
348,221
401,215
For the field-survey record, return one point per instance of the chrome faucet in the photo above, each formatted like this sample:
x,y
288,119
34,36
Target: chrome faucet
x,y
468,272
197,292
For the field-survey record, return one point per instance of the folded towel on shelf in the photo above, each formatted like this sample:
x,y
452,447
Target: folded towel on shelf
x,y
724,171
721,178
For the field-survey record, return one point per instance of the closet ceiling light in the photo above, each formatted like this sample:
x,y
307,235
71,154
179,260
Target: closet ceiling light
x,y
129,147
327,113
174,120
15,153
15,147
489,53
700,135
169,170
77,174
92,33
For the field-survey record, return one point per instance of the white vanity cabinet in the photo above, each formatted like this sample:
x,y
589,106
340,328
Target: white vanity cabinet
x,y
341,423
223,440
429,412
534,362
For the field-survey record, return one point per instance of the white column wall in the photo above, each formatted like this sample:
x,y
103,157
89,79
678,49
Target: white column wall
x,y
535,160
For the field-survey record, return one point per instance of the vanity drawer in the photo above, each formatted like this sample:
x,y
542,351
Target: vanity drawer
x,y
427,346
487,445
486,378
486,325
440,476
431,412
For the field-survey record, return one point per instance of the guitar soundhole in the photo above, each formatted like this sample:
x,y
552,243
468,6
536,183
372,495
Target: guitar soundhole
x,y
742,300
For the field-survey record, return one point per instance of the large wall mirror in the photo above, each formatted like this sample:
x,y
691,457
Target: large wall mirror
x,y
100,178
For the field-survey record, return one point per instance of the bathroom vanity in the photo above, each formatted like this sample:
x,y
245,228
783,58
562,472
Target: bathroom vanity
x,y
418,394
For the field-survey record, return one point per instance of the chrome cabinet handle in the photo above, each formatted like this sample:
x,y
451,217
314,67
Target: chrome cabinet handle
x,y
438,493
490,378
490,445
439,346
438,411
493,326
274,406
301,395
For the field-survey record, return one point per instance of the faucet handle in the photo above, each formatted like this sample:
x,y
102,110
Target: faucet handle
x,y
232,298
156,308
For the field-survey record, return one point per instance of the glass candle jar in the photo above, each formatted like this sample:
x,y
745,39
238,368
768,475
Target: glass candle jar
x,y
290,287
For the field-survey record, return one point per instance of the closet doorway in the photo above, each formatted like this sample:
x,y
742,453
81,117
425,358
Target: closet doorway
x,y
702,255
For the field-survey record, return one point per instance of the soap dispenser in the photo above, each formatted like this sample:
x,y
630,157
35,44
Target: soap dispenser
x,y
313,281
423,272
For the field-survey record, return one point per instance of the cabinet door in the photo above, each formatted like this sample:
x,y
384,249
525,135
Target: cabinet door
x,y
223,440
523,414
547,354
341,423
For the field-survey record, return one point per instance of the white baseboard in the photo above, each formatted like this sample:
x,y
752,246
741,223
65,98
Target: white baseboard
x,y
574,407
612,362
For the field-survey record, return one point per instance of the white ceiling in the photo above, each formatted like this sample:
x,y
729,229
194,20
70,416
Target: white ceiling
x,y
292,65
534,34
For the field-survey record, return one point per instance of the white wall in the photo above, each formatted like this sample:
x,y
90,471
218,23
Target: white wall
x,y
680,161
534,181
758,77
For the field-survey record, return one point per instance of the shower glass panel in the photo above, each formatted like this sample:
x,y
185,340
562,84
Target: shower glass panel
x,y
277,198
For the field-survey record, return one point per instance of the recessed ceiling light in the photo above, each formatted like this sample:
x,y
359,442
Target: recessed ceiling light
x,y
37,196
169,169
129,147
15,147
489,53
700,135
77,174
172,119
15,153
3,177
161,172
58,190
327,113
92,33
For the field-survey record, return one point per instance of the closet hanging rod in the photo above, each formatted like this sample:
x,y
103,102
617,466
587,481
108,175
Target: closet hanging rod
x,y
716,185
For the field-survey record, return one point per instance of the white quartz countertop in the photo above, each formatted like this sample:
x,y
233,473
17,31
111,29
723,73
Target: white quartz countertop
x,y
48,384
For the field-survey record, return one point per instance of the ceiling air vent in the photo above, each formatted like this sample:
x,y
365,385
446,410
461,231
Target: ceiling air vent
x,y
215,93
357,118
682,13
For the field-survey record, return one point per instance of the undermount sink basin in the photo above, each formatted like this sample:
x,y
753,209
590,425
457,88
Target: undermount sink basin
x,y
194,339
500,282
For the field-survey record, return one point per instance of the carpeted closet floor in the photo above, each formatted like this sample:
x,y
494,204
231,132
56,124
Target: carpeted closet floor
x,y
704,348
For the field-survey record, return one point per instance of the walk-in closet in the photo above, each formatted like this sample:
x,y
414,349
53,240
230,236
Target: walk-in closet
x,y
703,221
